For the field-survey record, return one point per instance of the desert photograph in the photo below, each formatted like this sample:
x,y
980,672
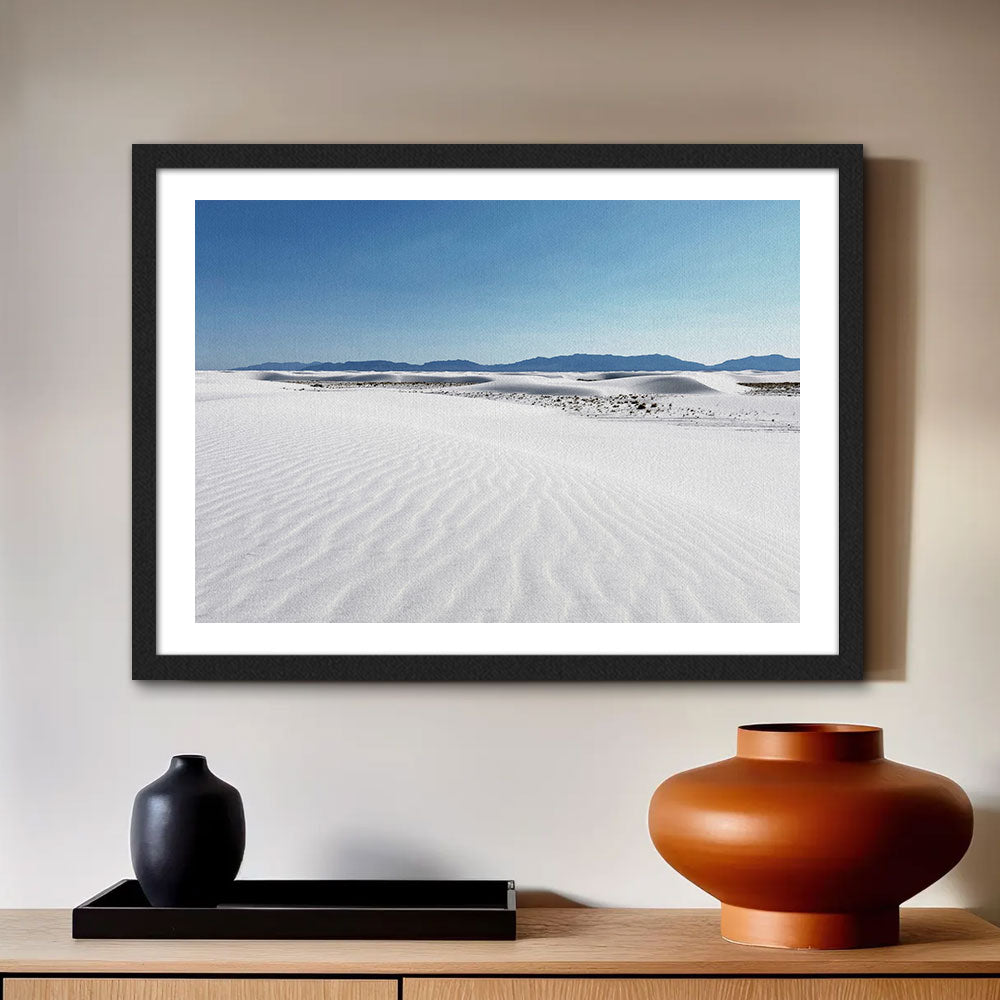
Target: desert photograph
x,y
497,411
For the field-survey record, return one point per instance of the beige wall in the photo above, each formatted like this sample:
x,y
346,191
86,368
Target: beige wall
x,y
545,784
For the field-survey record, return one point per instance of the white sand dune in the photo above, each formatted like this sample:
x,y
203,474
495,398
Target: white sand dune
x,y
663,385
536,385
387,505
679,385
587,384
428,378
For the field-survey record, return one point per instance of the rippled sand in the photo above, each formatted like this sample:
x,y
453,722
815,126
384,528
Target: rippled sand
x,y
319,500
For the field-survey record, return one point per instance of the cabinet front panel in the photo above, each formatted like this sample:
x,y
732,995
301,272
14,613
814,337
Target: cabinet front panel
x,y
199,989
701,989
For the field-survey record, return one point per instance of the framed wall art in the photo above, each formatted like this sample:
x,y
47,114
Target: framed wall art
x,y
497,412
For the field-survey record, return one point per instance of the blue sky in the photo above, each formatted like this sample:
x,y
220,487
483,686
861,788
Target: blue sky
x,y
494,281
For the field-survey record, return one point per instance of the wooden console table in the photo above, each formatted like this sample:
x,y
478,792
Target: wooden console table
x,y
560,954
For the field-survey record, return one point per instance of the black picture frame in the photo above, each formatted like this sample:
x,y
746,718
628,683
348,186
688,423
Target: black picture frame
x,y
148,664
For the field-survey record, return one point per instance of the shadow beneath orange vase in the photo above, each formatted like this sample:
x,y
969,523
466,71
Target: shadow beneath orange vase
x,y
892,198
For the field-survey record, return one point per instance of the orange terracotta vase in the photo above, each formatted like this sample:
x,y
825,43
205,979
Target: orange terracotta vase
x,y
809,837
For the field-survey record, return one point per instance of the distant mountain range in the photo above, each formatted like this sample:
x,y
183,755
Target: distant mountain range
x,y
563,363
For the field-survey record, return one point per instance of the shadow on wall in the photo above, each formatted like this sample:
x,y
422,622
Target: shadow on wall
x,y
374,856
892,190
370,855
978,873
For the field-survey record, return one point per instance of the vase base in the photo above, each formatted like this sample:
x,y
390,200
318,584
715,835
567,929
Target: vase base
x,y
773,929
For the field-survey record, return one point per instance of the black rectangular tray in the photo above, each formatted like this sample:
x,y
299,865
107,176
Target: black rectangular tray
x,y
316,909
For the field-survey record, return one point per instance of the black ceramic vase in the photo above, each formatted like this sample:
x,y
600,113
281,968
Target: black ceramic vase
x,y
188,835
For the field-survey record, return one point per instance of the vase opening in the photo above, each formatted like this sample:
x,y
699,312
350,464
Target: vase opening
x,y
189,761
809,741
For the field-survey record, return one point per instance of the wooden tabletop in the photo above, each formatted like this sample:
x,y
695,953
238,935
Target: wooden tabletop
x,y
550,942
